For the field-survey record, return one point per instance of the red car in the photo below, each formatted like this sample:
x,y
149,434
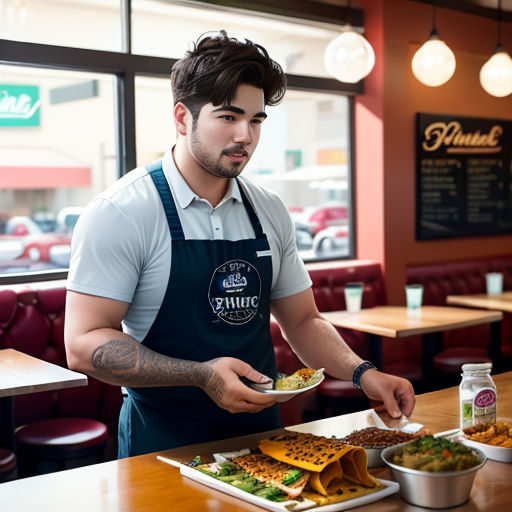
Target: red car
x,y
317,218
50,248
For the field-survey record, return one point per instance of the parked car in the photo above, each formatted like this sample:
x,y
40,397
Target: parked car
x,y
36,246
332,241
317,218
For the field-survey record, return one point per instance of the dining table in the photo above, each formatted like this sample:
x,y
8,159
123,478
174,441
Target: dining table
x,y
148,483
20,374
496,302
399,321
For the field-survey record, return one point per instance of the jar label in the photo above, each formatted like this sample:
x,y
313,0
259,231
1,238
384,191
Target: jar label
x,y
485,398
484,406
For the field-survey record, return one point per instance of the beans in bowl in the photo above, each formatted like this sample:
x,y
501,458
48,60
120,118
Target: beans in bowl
x,y
374,437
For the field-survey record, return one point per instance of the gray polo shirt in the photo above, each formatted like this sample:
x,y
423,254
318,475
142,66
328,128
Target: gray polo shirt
x,y
122,248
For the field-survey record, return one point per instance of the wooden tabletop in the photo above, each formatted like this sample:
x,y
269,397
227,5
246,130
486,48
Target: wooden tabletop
x,y
397,322
145,483
501,302
21,374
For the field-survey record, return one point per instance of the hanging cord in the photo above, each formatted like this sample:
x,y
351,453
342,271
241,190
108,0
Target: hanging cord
x,y
499,23
434,28
349,2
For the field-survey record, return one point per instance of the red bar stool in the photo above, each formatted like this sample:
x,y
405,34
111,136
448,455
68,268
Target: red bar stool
x,y
449,362
59,440
8,469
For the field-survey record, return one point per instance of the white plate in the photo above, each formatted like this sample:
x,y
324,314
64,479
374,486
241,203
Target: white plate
x,y
285,506
498,453
285,395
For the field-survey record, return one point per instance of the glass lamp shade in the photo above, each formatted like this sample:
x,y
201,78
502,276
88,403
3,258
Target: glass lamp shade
x,y
434,63
496,74
349,57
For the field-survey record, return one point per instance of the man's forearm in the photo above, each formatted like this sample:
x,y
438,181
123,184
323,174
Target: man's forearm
x,y
318,344
129,363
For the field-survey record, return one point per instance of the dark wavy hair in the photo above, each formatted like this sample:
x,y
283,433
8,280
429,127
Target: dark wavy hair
x,y
212,71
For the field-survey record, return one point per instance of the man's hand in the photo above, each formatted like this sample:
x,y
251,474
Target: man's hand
x,y
225,388
396,393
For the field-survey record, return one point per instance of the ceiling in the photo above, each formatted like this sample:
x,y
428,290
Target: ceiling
x,y
487,8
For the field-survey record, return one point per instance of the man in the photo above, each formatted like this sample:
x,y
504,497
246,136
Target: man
x,y
191,260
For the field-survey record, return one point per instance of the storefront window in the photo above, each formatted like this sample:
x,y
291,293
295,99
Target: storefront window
x,y
57,150
295,45
302,155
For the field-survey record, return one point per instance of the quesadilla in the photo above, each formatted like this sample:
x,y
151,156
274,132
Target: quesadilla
x,y
287,478
328,460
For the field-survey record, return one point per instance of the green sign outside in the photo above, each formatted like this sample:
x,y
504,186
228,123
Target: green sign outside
x,y
19,105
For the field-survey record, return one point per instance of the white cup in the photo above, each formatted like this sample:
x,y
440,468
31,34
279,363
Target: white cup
x,y
494,283
353,297
413,296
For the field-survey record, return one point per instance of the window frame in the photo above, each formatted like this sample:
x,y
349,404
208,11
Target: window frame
x,y
125,66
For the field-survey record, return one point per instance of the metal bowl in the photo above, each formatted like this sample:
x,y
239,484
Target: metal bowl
x,y
373,457
432,490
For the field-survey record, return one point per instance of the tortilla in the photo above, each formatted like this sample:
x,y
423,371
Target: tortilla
x,y
327,459
271,471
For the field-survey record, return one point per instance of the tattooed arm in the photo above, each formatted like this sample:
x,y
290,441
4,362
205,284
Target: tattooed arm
x,y
94,345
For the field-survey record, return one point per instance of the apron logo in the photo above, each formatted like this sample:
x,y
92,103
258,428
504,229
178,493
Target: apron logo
x,y
234,292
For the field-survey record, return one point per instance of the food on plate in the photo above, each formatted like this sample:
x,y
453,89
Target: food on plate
x,y
374,437
285,477
297,466
495,434
337,471
435,454
300,379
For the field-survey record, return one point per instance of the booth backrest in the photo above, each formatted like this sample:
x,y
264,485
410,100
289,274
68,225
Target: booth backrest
x,y
458,278
33,322
329,280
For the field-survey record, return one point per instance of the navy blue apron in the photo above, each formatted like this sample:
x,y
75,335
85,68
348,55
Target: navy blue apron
x,y
217,304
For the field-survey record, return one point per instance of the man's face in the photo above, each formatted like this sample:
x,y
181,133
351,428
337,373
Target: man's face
x,y
224,137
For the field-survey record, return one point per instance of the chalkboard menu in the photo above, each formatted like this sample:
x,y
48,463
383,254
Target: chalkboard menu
x,y
463,176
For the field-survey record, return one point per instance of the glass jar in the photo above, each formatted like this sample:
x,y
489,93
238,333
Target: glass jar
x,y
477,395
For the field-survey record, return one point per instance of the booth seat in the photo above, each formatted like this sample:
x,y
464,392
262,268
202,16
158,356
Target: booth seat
x,y
468,344
333,396
32,321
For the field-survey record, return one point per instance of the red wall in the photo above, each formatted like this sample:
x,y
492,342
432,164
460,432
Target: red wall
x,y
385,132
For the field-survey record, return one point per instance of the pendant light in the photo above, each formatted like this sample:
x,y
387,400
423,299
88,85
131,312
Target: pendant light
x,y
496,73
349,57
434,63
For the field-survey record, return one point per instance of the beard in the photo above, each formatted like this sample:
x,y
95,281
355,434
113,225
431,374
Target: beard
x,y
214,165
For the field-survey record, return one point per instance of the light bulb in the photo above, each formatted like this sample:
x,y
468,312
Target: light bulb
x,y
496,74
434,63
349,57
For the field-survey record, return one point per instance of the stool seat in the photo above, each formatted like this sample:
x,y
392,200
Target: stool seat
x,y
452,359
409,371
62,438
7,461
335,388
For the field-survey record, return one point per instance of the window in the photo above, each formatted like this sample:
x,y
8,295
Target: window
x,y
75,116
94,24
57,150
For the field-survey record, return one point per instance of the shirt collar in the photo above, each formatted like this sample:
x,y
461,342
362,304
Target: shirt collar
x,y
183,194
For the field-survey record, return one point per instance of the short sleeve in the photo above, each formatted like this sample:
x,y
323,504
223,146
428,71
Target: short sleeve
x,y
106,253
293,277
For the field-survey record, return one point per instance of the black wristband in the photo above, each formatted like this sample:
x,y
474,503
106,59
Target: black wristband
x,y
358,372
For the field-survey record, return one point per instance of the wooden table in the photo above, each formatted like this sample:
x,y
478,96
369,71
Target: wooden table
x,y
398,322
21,374
146,484
501,302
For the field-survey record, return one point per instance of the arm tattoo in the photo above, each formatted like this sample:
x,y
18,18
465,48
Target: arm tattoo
x,y
129,363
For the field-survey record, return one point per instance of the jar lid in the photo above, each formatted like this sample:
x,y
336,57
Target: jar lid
x,y
471,367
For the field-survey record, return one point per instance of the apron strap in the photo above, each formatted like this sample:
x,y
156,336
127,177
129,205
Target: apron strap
x,y
256,224
157,175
